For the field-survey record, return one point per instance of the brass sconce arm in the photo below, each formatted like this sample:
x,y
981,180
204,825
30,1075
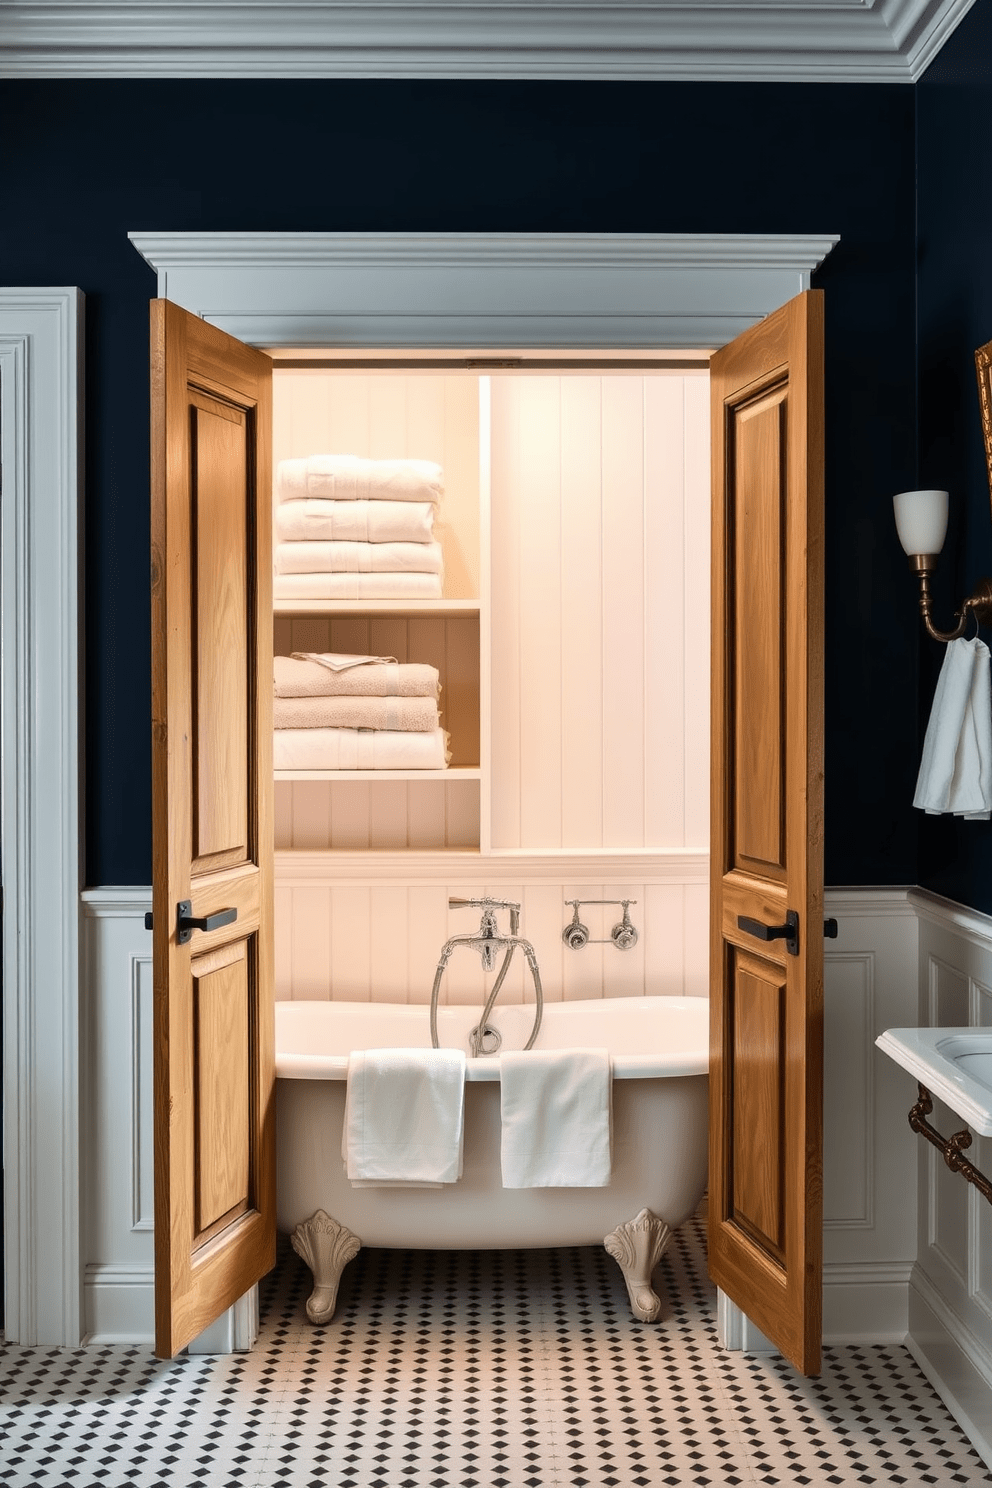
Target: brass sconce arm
x,y
978,605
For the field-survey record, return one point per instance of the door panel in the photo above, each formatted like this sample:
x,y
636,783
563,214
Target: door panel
x,y
212,822
758,513
758,1017
766,1033
218,446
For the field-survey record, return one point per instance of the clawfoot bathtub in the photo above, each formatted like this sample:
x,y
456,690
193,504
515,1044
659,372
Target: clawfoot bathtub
x,y
659,1047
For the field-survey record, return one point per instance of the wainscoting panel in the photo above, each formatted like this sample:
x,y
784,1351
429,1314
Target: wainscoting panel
x,y
869,1191
951,1287
118,1180
377,925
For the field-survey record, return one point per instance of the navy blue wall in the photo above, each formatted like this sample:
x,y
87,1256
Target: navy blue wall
x,y
84,162
954,102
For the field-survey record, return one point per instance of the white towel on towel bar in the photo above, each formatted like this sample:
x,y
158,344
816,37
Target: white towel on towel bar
x,y
404,1116
555,1106
956,770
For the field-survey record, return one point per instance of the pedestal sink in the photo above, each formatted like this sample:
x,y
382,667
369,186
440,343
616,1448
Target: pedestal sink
x,y
955,1065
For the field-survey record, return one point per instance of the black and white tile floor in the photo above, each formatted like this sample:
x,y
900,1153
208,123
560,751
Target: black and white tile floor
x,y
494,1370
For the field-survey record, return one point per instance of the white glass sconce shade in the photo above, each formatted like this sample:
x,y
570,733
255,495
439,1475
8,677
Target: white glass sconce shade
x,y
921,520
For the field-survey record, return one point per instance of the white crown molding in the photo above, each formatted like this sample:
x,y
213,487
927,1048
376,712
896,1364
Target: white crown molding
x,y
554,251
791,40
489,289
40,450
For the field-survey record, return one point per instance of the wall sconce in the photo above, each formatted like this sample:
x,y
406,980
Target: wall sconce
x,y
921,521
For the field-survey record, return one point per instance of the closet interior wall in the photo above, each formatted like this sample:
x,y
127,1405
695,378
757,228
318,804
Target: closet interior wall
x,y
576,515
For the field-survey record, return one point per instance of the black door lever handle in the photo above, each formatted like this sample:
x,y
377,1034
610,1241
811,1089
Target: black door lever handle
x,y
789,932
186,924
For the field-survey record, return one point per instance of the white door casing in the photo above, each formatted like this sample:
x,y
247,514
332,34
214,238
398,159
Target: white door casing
x,y
41,347
442,290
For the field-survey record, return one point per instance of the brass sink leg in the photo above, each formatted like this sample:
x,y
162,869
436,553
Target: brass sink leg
x,y
950,1148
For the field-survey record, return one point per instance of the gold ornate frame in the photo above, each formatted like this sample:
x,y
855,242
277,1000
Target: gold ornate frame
x,y
983,368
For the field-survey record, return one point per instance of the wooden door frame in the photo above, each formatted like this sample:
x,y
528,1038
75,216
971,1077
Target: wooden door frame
x,y
664,291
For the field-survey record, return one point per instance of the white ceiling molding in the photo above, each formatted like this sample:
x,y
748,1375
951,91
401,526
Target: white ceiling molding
x,y
547,290
864,41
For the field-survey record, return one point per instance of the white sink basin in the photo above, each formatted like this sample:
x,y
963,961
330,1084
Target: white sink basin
x,y
955,1065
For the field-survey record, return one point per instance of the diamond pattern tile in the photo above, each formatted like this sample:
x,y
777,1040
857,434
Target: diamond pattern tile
x,y
496,1369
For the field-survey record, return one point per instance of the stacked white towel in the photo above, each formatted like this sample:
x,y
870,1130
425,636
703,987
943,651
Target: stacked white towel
x,y
404,1116
555,1106
956,770
348,528
340,712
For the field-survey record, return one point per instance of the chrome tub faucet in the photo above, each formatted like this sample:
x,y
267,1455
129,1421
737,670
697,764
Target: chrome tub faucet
x,y
488,941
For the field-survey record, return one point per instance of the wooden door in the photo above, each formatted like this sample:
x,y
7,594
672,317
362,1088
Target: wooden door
x,y
766,864
211,822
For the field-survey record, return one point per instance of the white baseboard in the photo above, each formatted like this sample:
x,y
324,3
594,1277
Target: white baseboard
x,y
119,1303
953,1360
866,1302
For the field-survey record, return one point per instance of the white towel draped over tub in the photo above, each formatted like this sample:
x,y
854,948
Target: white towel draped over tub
x,y
404,1116
555,1106
956,771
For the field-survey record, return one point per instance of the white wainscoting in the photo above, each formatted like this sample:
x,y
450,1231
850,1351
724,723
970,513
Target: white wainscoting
x,y
118,1181
869,1151
950,1321
869,1185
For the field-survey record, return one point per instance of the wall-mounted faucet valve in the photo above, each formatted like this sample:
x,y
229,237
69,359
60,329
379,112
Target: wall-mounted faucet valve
x,y
576,935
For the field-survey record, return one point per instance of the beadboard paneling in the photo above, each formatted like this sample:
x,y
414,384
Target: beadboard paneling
x,y
600,560
359,929
388,416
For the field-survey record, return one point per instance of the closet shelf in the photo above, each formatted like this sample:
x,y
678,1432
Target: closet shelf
x,y
375,607
454,772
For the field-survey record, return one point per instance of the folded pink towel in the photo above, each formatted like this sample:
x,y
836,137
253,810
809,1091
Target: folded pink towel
x,y
304,674
418,715
349,478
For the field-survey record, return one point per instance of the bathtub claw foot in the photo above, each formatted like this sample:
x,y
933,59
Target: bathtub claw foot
x,y
637,1246
326,1247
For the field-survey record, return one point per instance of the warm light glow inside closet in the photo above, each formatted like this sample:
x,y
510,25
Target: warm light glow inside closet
x,y
572,643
